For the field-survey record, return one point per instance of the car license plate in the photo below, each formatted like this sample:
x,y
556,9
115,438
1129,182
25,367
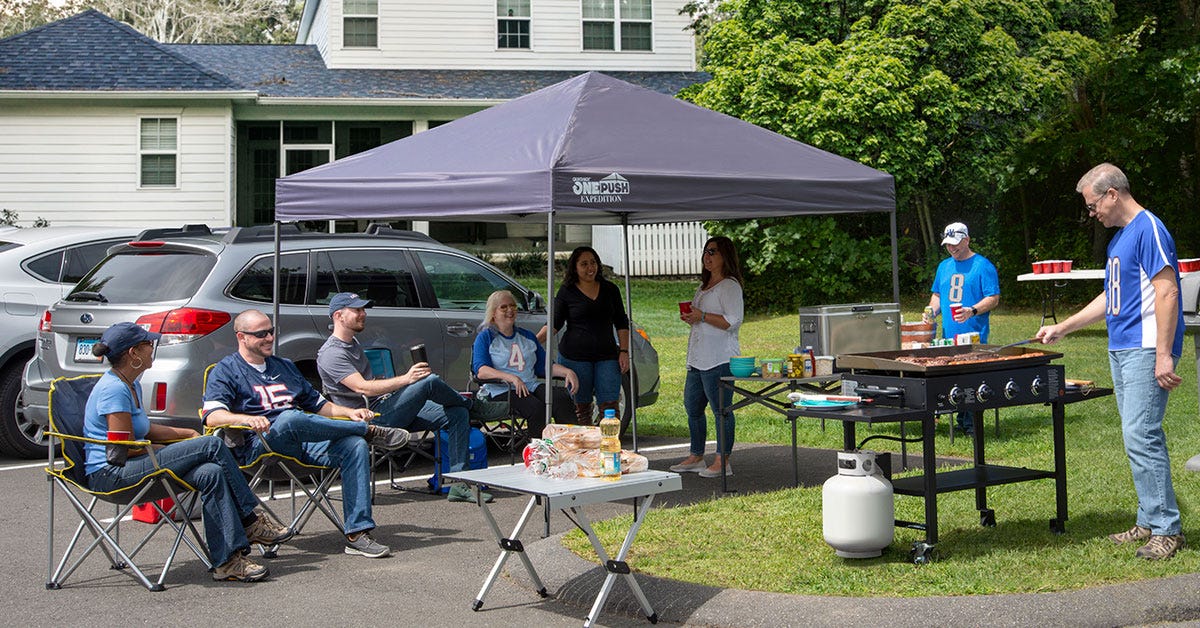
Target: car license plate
x,y
83,350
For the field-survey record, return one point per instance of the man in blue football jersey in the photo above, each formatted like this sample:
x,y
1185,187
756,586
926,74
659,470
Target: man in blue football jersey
x,y
268,394
965,289
1142,307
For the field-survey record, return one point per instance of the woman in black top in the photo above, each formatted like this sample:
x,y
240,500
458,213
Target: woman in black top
x,y
591,308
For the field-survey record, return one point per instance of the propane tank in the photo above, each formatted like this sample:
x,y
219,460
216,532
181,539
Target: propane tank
x,y
857,507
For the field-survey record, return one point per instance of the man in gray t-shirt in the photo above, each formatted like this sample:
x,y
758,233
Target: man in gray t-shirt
x,y
417,398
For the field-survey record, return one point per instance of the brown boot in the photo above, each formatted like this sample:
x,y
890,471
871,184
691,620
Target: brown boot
x,y
615,406
583,413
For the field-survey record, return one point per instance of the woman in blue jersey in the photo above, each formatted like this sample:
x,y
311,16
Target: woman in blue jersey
x,y
204,462
506,352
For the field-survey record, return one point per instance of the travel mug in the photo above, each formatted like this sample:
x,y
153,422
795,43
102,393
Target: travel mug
x,y
418,354
116,455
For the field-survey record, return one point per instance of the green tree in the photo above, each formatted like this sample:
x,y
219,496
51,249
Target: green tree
x,y
941,94
18,16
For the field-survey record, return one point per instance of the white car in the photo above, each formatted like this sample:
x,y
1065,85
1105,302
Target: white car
x,y
37,268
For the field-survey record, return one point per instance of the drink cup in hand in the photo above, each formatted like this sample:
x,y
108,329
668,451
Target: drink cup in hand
x,y
955,310
119,435
116,455
418,354
685,307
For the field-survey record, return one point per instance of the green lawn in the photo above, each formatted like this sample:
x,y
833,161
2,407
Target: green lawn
x,y
772,541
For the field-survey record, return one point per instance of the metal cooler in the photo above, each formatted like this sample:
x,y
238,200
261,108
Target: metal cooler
x,y
850,328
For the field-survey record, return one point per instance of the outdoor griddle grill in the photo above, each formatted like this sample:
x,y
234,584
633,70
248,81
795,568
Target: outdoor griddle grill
x,y
919,384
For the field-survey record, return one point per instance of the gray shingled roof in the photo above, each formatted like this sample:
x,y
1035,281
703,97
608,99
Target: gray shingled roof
x,y
92,52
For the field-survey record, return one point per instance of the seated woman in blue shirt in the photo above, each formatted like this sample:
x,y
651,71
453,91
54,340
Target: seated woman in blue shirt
x,y
230,522
506,352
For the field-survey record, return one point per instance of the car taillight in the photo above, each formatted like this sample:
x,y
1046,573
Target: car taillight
x,y
44,325
160,396
184,324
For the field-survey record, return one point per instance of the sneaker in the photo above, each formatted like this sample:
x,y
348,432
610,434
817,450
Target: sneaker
x,y
1134,534
264,531
364,545
463,493
386,437
241,569
1160,547
689,467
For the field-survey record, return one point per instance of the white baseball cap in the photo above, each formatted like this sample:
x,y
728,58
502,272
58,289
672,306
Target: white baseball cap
x,y
954,233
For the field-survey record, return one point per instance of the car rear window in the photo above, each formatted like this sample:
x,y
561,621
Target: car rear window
x,y
8,246
148,277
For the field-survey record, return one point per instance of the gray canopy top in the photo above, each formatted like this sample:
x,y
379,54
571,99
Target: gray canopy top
x,y
593,150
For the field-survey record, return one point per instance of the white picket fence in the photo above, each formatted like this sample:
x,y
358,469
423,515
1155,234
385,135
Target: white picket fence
x,y
660,249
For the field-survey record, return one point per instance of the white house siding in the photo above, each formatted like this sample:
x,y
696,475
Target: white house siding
x,y
461,34
318,34
78,165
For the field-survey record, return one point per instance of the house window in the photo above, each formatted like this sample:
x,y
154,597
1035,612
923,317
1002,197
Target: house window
x,y
159,152
512,23
617,24
360,23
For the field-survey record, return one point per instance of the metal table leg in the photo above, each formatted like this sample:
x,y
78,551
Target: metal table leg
x,y
509,546
1059,524
615,567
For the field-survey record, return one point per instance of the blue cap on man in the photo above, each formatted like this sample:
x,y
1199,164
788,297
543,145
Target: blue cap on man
x,y
122,337
347,299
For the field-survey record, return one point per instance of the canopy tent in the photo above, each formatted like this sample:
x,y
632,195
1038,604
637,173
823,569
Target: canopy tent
x,y
589,150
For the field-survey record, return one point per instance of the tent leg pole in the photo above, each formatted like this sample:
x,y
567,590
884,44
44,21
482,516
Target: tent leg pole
x,y
551,343
895,260
632,400
275,280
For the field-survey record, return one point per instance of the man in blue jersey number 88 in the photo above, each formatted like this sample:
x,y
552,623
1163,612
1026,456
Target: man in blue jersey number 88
x,y
1142,307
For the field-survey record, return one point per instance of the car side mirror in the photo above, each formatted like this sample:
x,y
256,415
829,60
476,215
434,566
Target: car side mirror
x,y
536,302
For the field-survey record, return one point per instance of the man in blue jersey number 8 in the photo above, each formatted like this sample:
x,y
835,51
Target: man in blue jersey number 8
x,y
965,289
1142,307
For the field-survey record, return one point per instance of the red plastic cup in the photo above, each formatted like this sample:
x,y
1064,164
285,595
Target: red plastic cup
x,y
685,307
1039,267
1058,266
119,435
955,309
1067,265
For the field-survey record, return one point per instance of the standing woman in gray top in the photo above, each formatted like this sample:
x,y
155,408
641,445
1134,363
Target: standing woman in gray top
x,y
716,317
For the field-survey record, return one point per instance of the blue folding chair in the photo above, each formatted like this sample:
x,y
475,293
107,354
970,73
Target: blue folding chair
x,y
68,397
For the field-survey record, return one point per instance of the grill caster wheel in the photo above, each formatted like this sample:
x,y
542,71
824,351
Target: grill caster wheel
x,y
922,553
542,592
653,618
987,518
1057,526
476,605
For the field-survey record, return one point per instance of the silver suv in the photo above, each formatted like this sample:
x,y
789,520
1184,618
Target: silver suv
x,y
189,286
37,267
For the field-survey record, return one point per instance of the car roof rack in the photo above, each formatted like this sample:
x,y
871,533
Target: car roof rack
x,y
384,230
259,233
186,230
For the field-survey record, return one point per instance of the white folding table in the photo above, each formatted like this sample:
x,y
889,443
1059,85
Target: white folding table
x,y
569,496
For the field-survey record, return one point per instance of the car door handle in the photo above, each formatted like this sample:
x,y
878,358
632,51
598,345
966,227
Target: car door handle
x,y
459,330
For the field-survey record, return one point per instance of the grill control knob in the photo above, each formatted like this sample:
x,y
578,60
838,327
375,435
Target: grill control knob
x,y
956,396
1010,389
983,393
1036,387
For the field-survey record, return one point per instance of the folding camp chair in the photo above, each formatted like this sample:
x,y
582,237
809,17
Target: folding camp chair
x,y
68,398
311,480
421,443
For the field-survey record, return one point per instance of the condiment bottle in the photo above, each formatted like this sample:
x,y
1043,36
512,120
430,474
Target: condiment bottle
x,y
610,445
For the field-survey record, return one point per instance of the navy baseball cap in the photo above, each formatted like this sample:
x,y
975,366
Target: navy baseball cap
x,y
123,336
347,299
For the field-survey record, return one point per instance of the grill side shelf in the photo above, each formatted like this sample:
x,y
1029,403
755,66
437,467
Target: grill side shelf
x,y
965,479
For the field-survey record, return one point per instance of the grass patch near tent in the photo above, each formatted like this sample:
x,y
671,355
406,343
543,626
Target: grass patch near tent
x,y
773,541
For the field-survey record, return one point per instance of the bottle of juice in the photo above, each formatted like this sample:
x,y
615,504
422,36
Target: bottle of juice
x,y
610,445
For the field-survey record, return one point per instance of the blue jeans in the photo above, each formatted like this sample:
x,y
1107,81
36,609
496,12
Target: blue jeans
x,y
319,440
699,388
206,464
430,403
601,379
1142,403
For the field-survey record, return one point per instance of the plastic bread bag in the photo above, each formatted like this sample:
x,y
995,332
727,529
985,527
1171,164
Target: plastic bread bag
x,y
587,461
633,462
540,456
567,437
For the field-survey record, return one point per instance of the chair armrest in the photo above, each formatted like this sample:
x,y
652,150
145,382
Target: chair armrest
x,y
98,441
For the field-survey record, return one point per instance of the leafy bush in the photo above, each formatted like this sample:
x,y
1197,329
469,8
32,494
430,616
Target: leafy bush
x,y
792,262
